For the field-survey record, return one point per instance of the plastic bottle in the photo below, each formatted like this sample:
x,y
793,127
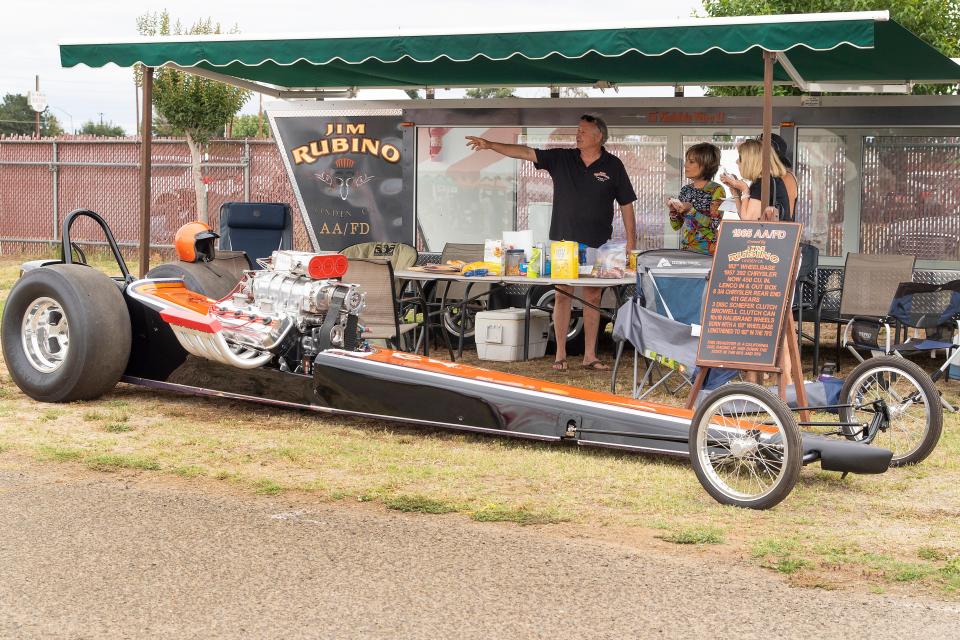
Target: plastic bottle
x,y
536,257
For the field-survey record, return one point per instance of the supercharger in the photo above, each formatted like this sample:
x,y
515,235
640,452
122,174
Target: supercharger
x,y
288,311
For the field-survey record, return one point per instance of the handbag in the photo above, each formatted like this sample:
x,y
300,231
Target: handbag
x,y
781,215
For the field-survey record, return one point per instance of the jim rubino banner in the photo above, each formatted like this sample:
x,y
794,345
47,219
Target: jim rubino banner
x,y
352,175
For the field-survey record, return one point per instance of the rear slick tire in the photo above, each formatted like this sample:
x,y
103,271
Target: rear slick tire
x,y
745,446
66,333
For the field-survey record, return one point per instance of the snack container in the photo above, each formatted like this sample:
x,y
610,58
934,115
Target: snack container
x,y
493,252
512,262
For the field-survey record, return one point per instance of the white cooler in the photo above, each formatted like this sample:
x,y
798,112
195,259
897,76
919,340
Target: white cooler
x,y
499,334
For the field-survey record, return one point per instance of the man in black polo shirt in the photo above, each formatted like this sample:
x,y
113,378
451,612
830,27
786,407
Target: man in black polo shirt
x,y
586,182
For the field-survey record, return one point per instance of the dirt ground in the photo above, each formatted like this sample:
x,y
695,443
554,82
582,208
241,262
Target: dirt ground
x,y
87,555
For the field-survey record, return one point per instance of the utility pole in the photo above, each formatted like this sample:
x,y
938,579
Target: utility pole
x,y
260,119
37,113
136,93
37,102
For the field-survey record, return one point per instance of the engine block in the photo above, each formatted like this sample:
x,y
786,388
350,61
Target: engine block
x,y
287,299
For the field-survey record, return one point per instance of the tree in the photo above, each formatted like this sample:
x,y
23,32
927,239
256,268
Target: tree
x,y
17,118
197,106
247,126
490,92
573,92
100,129
937,22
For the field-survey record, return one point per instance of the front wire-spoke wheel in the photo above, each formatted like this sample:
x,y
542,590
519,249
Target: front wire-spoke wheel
x,y
912,402
745,446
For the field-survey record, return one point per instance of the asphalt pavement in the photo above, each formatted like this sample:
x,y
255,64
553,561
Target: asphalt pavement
x,y
87,555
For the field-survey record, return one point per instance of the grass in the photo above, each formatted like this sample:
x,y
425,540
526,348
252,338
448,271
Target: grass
x,y
695,535
524,515
419,504
267,487
117,461
59,454
896,532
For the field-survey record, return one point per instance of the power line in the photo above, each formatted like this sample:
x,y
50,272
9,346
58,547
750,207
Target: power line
x,y
20,121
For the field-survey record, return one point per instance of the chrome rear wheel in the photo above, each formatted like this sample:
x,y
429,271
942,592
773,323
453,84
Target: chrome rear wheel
x,y
45,334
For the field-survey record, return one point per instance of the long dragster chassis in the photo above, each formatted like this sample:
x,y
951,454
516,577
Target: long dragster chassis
x,y
290,335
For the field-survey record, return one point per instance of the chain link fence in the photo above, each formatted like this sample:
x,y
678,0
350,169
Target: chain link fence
x,y
43,180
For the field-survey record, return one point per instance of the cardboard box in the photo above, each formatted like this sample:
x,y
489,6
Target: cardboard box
x,y
493,253
564,259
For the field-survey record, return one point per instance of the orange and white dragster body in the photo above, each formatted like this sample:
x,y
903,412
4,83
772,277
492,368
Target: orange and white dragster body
x,y
222,348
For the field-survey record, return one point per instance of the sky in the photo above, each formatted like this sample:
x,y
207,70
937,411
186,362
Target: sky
x,y
28,45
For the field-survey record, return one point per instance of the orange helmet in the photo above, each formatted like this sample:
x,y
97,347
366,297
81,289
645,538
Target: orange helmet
x,y
194,242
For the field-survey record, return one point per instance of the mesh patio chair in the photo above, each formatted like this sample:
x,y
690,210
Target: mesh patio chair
x,y
447,293
869,284
658,320
401,256
932,310
380,316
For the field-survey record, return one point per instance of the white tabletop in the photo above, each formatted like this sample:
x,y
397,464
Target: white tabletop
x,y
575,282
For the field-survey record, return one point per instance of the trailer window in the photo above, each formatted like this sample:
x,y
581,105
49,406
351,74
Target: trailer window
x,y
464,196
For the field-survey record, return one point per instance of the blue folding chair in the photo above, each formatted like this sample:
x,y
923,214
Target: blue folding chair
x,y
256,228
658,320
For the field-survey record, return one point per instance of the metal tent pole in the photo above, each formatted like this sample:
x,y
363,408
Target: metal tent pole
x,y
146,141
768,59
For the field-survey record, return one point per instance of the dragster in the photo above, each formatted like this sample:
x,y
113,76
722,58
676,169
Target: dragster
x,y
291,335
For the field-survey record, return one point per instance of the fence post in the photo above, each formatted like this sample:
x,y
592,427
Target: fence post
x,y
55,169
246,170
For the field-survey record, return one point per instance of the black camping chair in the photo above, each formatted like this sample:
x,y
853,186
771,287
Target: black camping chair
x,y
933,309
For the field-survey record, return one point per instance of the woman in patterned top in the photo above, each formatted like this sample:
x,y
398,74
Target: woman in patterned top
x,y
696,212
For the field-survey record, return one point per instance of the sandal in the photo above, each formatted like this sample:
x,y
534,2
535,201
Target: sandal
x,y
560,365
596,365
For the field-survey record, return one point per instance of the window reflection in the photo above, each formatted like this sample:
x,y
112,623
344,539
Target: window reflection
x,y
911,196
821,180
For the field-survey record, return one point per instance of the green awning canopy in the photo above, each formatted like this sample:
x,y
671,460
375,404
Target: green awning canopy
x,y
814,49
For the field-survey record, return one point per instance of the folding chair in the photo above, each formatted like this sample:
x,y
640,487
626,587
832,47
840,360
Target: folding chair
x,y
256,228
869,284
658,320
931,308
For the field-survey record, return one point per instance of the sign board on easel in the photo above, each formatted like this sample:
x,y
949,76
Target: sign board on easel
x,y
747,308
